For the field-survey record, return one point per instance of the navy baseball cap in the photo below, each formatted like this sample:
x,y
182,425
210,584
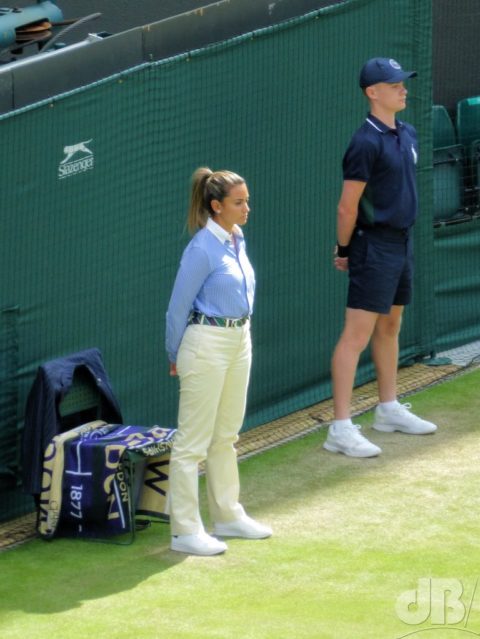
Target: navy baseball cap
x,y
383,70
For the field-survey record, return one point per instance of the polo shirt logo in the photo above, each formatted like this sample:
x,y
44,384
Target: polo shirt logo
x,y
414,155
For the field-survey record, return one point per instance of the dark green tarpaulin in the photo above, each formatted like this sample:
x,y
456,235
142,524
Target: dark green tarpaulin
x,y
95,185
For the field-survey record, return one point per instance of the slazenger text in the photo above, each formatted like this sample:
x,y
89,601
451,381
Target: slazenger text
x,y
78,166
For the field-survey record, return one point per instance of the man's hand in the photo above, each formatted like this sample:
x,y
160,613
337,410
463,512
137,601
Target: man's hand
x,y
173,369
347,213
340,263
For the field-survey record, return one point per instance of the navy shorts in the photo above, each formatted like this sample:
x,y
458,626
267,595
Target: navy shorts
x,y
380,267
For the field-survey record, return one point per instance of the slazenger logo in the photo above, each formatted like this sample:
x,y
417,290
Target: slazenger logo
x,y
74,163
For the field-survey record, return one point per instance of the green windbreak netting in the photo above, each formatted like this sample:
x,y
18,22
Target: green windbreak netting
x,y
457,283
95,190
456,176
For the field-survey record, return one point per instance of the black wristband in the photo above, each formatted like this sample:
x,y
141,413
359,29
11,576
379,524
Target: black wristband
x,y
343,251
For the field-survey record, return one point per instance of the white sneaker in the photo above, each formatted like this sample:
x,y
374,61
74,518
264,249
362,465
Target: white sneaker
x,y
400,418
349,441
198,544
245,527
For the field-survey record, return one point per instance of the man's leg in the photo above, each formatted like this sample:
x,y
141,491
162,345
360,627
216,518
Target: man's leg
x,y
385,353
358,329
343,436
390,415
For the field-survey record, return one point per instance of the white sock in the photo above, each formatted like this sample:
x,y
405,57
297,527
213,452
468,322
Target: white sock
x,y
387,406
340,424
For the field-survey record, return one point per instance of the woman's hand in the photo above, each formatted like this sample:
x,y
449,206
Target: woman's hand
x,y
173,369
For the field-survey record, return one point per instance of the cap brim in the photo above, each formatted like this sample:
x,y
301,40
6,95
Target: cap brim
x,y
400,76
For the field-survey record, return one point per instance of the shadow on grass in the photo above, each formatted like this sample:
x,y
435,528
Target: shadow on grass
x,y
304,467
51,577
42,577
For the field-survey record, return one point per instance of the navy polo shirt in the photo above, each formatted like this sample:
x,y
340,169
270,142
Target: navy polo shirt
x,y
386,160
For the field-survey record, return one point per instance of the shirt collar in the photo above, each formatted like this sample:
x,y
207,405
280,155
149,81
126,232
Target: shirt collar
x,y
220,233
380,126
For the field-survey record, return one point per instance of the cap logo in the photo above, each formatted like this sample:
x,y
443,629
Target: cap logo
x,y
394,64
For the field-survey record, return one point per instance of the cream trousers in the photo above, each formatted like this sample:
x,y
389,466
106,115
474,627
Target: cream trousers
x,y
213,366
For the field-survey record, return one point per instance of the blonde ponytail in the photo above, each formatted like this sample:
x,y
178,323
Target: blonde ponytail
x,y
208,185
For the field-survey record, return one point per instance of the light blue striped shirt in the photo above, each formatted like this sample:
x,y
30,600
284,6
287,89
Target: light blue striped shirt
x,y
215,278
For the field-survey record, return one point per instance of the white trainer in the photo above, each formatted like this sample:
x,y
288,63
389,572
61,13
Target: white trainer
x,y
198,544
349,441
400,418
245,528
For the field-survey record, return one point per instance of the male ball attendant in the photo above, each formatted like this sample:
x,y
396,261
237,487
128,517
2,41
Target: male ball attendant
x,y
376,213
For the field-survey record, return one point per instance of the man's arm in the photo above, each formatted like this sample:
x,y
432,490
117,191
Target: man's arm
x,y
347,213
